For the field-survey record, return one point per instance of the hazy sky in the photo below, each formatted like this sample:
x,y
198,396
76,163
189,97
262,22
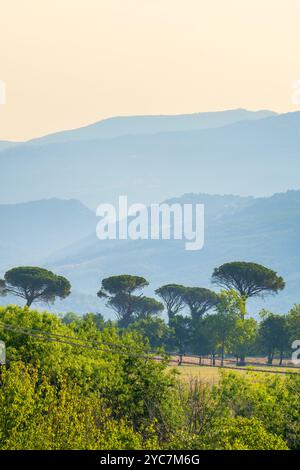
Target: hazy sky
x,y
67,63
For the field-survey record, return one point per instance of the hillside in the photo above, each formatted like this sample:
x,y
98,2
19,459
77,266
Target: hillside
x,y
33,230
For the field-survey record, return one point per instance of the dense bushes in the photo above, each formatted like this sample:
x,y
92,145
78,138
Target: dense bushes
x,y
273,400
240,412
35,414
130,384
57,396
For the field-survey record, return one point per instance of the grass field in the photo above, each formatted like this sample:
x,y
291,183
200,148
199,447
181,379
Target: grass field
x,y
212,374
205,374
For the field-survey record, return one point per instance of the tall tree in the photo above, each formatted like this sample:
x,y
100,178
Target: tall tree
x,y
208,327
242,338
34,284
122,284
172,296
293,319
199,300
182,329
248,279
119,293
225,318
211,334
274,335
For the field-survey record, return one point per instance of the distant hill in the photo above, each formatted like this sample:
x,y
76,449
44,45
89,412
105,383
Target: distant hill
x,y
133,125
5,144
249,157
33,230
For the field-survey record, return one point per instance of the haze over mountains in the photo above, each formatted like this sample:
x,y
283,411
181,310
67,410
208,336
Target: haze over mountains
x,y
133,125
48,187
31,231
249,157
5,144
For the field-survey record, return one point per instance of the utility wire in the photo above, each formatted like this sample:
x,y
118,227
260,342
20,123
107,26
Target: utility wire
x,y
42,335
59,336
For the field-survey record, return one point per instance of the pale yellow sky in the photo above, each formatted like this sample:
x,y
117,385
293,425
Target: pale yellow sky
x,y
67,63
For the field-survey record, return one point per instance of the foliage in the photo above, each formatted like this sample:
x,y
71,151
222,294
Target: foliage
x,y
155,331
123,284
129,382
248,279
199,301
182,328
81,382
36,414
57,396
146,307
242,338
274,334
34,284
118,290
239,413
269,398
172,296
246,434
293,320
218,328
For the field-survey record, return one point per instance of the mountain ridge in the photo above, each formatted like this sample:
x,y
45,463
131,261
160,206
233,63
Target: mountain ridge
x,y
118,126
257,157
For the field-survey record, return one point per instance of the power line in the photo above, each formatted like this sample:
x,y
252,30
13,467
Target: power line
x,y
47,336
60,336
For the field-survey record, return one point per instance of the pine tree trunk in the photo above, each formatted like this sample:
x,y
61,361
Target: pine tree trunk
x,y
281,358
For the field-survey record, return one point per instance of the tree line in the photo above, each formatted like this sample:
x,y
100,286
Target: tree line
x,y
200,320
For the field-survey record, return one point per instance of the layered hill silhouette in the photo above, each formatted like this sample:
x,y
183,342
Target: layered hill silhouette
x,y
134,125
257,157
31,231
